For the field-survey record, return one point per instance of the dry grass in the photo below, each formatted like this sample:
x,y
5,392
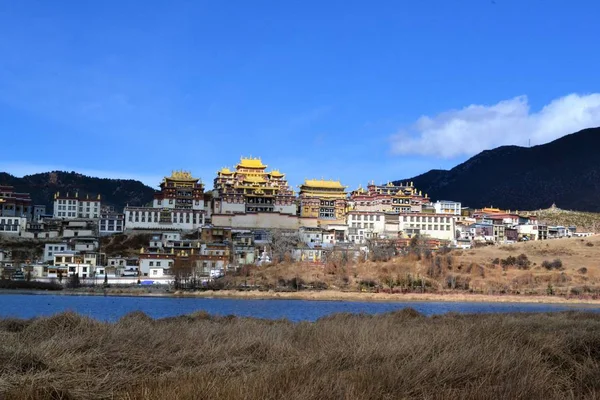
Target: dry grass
x,y
459,271
584,221
580,259
390,356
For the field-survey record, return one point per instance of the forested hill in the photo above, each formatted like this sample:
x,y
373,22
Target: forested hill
x,y
565,172
115,192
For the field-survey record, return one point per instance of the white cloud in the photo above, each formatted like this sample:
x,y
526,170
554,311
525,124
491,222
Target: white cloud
x,y
479,127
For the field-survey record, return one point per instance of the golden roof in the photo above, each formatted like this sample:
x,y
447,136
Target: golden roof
x,y
251,163
182,176
226,171
276,173
254,179
324,184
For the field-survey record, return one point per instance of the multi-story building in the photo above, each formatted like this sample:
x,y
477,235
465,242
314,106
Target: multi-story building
x,y
437,226
155,264
178,206
111,223
447,207
391,198
243,248
324,200
13,204
215,234
365,225
69,263
251,189
12,225
73,206
39,212
52,248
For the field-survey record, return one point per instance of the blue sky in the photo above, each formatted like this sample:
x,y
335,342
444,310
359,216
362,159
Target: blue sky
x,y
349,90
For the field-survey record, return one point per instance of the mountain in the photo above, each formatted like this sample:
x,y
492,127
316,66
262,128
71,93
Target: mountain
x,y
115,192
565,172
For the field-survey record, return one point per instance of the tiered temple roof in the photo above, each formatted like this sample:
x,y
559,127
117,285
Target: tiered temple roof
x,y
249,178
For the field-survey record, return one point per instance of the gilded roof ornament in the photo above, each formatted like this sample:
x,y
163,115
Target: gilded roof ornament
x,y
182,175
251,162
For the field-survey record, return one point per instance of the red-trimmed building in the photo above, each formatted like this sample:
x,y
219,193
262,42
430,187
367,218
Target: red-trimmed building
x,y
392,198
14,204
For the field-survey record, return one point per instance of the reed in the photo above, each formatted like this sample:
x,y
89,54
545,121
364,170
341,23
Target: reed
x,y
389,356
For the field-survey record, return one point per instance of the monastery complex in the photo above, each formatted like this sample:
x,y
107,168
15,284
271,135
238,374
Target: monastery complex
x,y
251,196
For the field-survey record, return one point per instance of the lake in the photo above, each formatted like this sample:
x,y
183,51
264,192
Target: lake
x,y
111,308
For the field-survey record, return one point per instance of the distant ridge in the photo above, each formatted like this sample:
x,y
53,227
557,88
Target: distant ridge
x,y
115,192
565,172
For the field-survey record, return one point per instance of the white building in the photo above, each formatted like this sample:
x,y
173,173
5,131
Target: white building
x,y
73,206
153,262
311,235
447,207
159,272
111,223
52,248
12,225
437,226
70,263
149,218
365,225
86,244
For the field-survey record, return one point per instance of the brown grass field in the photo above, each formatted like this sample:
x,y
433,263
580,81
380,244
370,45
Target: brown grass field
x,y
472,271
399,355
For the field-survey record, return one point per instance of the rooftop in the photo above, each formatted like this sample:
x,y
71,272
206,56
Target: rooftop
x,y
181,176
321,183
251,163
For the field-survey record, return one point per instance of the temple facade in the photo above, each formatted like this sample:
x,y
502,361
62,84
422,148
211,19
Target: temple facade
x,y
403,198
325,200
180,191
179,205
13,204
250,188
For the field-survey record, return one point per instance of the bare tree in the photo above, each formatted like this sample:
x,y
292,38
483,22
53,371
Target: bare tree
x,y
182,271
337,257
418,246
283,244
381,249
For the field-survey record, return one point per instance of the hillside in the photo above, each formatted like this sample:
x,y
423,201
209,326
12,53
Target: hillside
x,y
584,221
569,267
115,192
565,171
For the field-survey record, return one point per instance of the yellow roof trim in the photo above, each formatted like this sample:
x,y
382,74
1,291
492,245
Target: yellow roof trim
x,y
254,179
320,183
181,176
251,163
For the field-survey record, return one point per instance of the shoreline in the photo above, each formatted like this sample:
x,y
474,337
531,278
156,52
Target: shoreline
x,y
330,295
324,295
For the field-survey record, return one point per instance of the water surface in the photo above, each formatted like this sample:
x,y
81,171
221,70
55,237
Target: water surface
x,y
111,308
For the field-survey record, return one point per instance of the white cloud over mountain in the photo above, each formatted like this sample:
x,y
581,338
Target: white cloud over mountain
x,y
479,127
